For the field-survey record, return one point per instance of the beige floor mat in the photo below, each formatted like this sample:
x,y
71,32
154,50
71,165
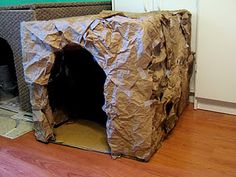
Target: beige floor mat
x,y
13,128
10,104
83,134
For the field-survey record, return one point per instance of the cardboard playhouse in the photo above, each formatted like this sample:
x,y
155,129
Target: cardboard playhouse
x,y
146,61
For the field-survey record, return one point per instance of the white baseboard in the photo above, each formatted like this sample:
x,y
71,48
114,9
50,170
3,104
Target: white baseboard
x,y
216,106
191,97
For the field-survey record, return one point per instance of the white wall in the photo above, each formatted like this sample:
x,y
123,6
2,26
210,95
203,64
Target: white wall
x,y
135,5
216,50
128,5
216,59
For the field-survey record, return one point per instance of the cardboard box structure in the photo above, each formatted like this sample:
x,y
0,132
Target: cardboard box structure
x,y
147,60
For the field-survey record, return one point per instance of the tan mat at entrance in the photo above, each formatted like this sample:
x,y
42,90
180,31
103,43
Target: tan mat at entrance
x,y
83,134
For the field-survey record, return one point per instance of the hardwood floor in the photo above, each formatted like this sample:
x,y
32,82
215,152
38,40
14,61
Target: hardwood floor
x,y
203,144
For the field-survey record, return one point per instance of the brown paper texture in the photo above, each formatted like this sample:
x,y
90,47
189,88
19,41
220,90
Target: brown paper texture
x,y
147,60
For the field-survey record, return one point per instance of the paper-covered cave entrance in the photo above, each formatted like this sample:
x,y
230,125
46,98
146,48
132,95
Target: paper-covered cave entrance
x,y
76,86
144,63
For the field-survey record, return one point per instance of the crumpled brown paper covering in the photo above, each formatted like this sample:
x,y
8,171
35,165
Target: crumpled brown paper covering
x,y
147,59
